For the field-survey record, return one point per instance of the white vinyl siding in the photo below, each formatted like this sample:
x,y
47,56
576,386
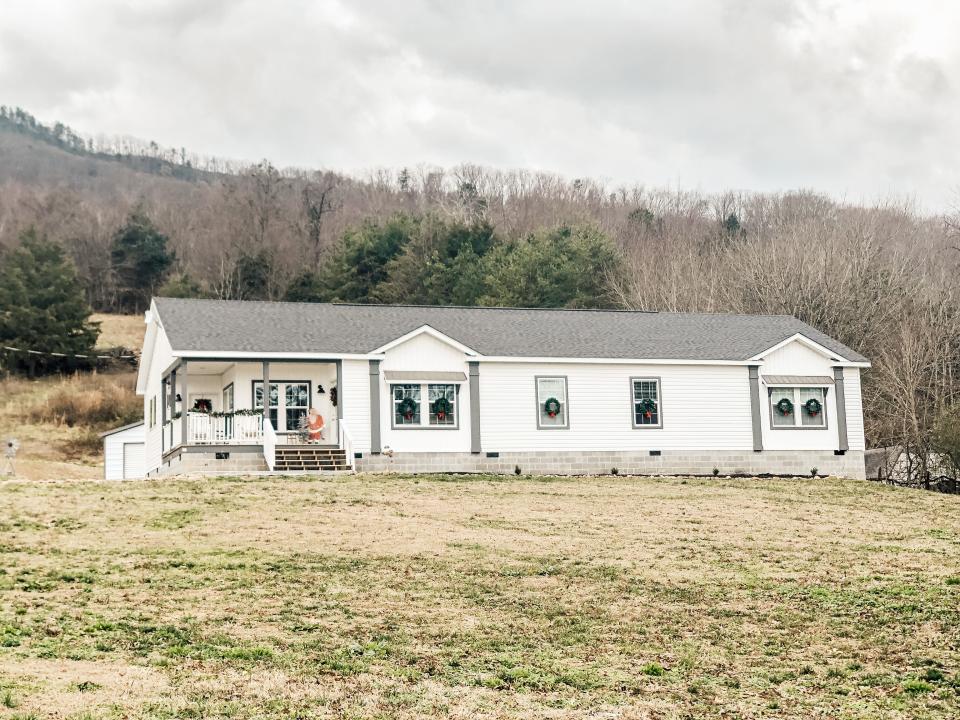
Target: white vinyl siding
x,y
601,409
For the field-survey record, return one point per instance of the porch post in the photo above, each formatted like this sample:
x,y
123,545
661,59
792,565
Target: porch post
x,y
474,366
338,410
374,407
163,414
172,399
841,397
266,392
754,371
184,404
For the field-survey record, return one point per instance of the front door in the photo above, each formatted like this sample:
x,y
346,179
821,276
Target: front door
x,y
289,402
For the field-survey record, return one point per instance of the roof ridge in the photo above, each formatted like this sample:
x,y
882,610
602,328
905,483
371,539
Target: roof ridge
x,y
488,307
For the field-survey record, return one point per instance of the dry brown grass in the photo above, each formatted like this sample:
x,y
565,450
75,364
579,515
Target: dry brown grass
x,y
120,330
95,401
58,419
377,597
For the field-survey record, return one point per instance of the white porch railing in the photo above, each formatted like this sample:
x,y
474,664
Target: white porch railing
x,y
346,443
269,444
205,429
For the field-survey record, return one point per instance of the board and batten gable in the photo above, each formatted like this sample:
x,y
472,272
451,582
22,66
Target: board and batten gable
x,y
425,352
799,358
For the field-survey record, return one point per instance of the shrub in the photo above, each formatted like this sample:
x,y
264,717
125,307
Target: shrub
x,y
93,401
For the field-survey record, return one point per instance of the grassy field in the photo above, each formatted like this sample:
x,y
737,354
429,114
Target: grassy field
x,y
382,597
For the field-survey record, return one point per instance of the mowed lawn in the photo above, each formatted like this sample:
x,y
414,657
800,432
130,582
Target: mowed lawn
x,y
472,597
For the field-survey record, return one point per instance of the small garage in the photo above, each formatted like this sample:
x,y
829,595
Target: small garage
x,y
123,457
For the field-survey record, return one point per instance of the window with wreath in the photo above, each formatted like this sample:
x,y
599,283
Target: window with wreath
x,y
798,407
552,402
646,402
443,404
406,405
440,410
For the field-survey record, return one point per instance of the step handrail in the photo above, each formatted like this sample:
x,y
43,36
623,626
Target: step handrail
x,y
269,444
346,443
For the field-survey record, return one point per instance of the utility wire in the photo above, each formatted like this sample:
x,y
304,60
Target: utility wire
x,y
68,355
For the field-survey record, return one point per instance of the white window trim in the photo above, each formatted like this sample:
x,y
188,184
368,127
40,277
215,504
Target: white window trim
x,y
633,404
424,423
797,419
566,401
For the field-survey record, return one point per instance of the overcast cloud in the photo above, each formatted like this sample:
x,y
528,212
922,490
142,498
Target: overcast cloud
x,y
858,99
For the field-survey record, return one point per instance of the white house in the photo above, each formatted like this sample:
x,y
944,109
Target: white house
x,y
491,389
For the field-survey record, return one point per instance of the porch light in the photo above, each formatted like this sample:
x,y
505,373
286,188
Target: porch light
x,y
320,390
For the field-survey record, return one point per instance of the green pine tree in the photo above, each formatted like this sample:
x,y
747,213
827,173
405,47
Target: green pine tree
x,y
140,260
43,307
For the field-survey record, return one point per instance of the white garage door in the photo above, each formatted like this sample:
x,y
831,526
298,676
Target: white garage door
x,y
133,461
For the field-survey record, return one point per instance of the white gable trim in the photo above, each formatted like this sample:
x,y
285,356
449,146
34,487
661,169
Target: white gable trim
x,y
425,330
813,345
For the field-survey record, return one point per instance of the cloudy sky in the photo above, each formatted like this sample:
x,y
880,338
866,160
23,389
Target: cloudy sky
x,y
858,99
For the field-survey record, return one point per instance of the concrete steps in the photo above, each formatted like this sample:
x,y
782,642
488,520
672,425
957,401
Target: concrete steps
x,y
310,457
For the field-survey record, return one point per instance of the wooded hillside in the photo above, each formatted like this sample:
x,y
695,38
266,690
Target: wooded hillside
x,y
881,278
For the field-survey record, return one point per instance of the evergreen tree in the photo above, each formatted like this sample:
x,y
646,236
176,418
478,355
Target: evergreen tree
x,y
565,267
140,261
43,307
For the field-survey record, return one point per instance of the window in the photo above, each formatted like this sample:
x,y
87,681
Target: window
x,y
406,405
228,398
153,411
646,402
289,402
798,407
441,405
552,403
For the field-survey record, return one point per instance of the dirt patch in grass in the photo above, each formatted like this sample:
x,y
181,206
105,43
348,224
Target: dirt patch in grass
x,y
63,688
412,597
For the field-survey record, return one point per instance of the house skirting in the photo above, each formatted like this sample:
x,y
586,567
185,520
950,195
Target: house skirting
x,y
772,462
233,459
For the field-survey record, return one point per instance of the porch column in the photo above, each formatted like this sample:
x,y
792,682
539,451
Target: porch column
x,y
841,397
339,404
374,407
474,366
266,393
163,415
755,407
184,404
172,399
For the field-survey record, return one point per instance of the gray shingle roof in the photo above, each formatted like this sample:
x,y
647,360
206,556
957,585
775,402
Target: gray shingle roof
x,y
244,326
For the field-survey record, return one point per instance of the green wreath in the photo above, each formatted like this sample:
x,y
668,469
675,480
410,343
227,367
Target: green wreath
x,y
648,407
784,406
442,407
813,407
552,407
407,408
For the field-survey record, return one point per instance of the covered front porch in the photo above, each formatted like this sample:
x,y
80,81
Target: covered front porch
x,y
224,405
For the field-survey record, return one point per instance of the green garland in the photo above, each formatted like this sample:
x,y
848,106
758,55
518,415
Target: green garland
x,y
552,407
813,407
784,406
407,408
242,412
442,407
